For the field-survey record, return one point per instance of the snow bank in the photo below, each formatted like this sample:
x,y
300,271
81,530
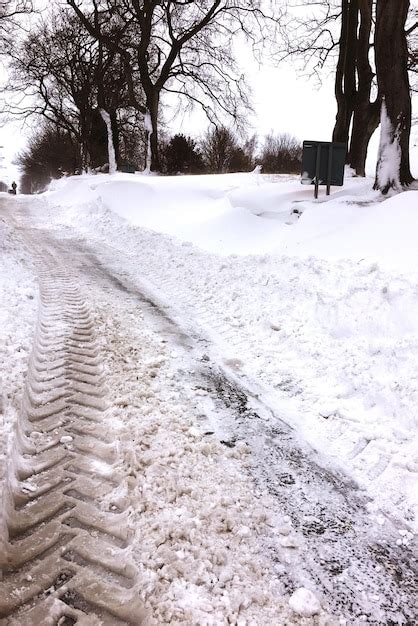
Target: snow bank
x,y
251,214
377,231
207,217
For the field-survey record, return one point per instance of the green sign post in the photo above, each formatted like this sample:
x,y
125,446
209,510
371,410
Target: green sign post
x,y
323,164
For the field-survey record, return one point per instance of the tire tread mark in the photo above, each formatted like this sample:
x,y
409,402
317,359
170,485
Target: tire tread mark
x,y
67,550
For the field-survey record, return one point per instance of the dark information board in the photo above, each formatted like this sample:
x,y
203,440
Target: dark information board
x,y
323,164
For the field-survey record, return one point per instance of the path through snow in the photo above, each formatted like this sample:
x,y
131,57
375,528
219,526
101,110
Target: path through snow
x,y
190,426
118,508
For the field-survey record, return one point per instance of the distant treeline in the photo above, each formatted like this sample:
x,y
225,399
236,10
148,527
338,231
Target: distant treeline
x,y
53,153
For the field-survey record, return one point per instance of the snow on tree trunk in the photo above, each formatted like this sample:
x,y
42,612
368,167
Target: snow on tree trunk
x,y
389,158
110,145
149,130
391,58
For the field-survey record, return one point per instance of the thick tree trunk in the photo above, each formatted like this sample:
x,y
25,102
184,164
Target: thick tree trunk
x,y
391,53
365,121
366,114
345,78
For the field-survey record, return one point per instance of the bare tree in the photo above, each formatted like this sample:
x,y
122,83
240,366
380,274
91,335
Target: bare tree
x,y
218,147
181,48
338,35
11,12
223,152
62,74
52,74
366,111
345,76
132,140
354,83
342,32
391,54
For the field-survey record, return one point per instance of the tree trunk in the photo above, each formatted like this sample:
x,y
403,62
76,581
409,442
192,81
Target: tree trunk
x,y
365,121
391,53
110,146
345,78
84,148
85,160
366,114
115,134
151,126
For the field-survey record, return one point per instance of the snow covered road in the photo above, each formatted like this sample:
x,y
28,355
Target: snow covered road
x,y
189,423
115,507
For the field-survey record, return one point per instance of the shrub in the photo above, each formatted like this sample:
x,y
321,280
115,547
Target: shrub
x,y
222,151
281,154
180,155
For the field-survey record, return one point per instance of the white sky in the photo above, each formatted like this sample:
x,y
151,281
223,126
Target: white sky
x,y
283,102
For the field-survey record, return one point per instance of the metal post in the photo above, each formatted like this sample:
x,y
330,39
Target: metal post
x,y
329,169
317,164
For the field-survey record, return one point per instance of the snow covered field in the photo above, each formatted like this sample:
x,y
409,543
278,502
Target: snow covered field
x,y
314,303
311,306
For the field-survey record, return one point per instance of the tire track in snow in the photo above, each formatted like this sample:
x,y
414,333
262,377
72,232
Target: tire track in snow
x,y
364,570
394,560
67,551
359,567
